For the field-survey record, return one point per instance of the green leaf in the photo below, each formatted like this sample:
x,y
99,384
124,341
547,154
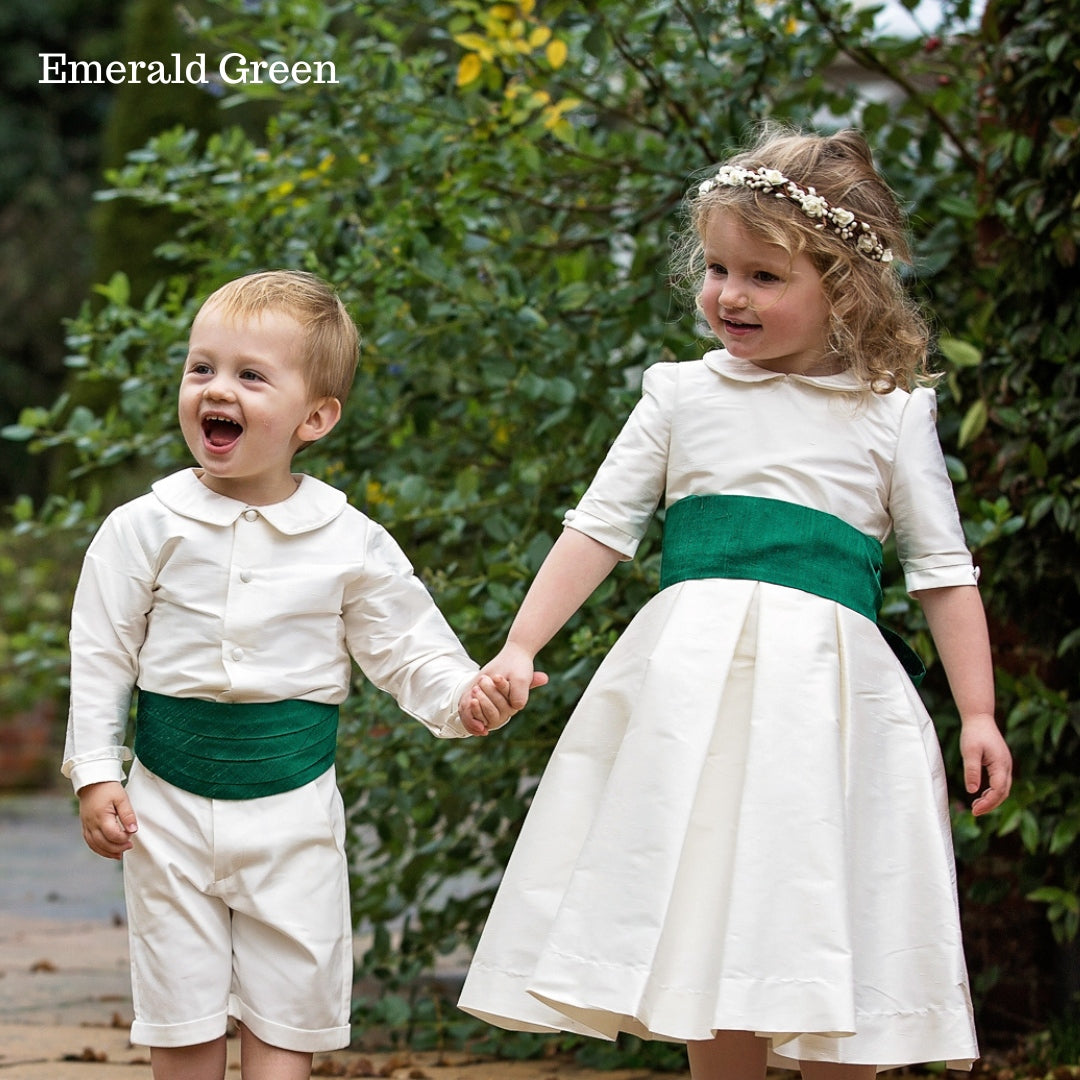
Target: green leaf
x,y
974,423
960,353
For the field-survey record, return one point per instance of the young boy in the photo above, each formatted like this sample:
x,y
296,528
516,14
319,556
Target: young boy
x,y
233,596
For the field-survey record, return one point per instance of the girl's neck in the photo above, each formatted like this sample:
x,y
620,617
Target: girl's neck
x,y
825,366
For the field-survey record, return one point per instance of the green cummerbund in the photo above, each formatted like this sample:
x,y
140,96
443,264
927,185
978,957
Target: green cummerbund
x,y
742,536
233,750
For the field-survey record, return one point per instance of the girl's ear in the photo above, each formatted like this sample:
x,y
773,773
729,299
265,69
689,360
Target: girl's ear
x,y
321,420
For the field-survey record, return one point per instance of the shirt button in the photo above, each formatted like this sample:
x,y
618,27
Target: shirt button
x,y
250,515
238,654
245,575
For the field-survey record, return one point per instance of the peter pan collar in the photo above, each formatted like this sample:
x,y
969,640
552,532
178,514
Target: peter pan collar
x,y
731,367
311,506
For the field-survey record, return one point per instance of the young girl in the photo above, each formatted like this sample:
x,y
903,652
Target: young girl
x,y
742,839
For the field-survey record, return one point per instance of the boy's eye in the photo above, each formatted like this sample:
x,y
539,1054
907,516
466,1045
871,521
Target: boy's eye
x,y
197,367
717,269
251,376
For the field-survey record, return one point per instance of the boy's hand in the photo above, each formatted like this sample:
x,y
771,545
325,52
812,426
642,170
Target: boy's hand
x,y
485,706
490,702
108,820
983,748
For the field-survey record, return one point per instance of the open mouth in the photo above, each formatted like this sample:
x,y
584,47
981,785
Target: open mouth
x,y
733,325
221,432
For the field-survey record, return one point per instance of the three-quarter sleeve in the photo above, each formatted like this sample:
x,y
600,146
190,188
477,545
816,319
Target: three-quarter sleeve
x,y
624,493
930,539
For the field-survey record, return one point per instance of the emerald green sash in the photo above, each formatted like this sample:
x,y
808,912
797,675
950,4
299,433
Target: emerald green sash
x,y
231,750
741,536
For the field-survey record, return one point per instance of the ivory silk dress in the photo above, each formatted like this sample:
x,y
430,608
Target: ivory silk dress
x,y
744,825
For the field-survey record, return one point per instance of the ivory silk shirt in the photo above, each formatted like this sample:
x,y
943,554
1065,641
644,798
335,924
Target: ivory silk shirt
x,y
192,594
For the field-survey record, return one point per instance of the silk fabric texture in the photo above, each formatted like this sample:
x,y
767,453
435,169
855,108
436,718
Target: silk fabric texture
x,y
745,824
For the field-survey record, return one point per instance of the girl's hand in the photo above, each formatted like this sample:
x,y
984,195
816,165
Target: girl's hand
x,y
515,664
501,691
108,821
983,748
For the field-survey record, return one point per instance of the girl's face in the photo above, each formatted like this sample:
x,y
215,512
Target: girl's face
x,y
763,305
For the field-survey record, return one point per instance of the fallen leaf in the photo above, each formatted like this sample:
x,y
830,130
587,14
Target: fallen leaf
x,y
88,1054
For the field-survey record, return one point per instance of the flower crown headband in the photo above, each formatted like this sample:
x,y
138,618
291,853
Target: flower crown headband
x,y
814,206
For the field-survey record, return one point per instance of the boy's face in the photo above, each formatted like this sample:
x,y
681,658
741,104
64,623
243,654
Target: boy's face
x,y
245,408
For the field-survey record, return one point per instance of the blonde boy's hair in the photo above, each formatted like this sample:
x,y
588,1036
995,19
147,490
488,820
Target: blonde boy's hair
x,y
331,340
875,329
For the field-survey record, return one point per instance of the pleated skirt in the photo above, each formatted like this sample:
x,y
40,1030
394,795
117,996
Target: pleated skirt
x,y
744,826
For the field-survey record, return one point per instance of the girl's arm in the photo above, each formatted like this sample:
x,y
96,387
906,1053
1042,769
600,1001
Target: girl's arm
x,y
574,567
958,625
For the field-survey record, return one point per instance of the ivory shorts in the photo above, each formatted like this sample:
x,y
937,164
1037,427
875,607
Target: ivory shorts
x,y
239,908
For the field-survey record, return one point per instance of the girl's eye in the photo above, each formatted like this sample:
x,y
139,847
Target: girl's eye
x,y
199,368
765,276
251,376
717,270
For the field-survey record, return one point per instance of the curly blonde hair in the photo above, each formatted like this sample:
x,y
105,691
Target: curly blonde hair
x,y
875,329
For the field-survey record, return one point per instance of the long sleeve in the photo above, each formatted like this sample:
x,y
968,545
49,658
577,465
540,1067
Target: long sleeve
x,y
401,641
108,626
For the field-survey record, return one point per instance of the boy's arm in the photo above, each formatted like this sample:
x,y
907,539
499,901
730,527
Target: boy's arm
x,y
402,642
108,627
958,625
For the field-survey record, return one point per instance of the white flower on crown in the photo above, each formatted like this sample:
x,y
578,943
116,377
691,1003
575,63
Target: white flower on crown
x,y
814,206
731,176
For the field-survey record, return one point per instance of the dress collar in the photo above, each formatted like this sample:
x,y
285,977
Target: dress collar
x,y
311,506
731,367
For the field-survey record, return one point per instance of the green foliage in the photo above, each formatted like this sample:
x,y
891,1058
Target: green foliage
x,y
1017,396
35,590
48,167
493,188
126,235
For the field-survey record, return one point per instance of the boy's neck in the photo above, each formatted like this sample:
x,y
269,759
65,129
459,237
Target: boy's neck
x,y
257,493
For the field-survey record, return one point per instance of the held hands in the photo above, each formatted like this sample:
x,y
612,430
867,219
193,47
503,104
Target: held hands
x,y
108,820
984,751
501,691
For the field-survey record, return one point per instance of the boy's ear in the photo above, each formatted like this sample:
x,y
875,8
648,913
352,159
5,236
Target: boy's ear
x,y
321,420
